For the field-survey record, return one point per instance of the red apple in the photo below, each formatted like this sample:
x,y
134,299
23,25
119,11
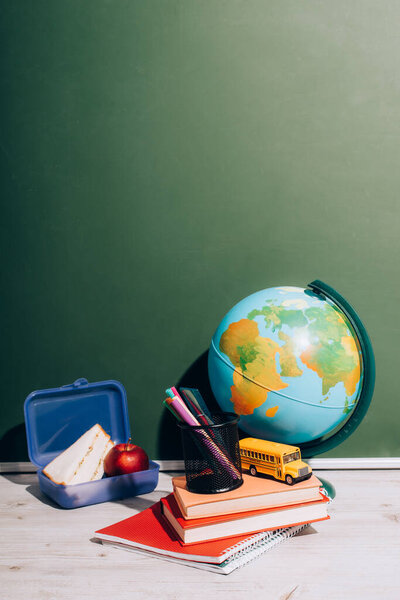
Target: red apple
x,y
125,458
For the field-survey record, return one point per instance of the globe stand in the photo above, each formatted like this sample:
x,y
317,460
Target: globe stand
x,y
319,446
329,487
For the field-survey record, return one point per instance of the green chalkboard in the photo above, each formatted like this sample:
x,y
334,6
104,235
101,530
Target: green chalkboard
x,y
162,160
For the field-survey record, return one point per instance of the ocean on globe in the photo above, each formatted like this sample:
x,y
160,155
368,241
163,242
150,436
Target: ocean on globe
x,y
288,362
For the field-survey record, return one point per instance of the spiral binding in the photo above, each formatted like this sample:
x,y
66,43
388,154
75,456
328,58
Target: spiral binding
x,y
255,539
251,551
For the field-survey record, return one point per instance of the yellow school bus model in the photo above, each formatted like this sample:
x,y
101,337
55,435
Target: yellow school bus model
x,y
281,461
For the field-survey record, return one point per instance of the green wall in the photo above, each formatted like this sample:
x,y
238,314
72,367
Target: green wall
x,y
162,160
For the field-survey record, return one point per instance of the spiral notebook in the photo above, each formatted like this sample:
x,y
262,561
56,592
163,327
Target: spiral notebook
x,y
240,554
149,533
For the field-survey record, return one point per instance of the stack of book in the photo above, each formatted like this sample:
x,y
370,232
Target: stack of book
x,y
220,532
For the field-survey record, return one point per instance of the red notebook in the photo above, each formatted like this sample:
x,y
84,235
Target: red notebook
x,y
193,531
150,531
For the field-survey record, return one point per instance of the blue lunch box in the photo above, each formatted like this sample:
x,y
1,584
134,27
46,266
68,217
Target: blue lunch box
x,y
56,418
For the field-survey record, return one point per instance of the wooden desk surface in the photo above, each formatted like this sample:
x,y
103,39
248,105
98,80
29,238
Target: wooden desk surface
x,y
47,552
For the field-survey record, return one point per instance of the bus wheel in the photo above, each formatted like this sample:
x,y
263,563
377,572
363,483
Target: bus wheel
x,y
253,471
289,479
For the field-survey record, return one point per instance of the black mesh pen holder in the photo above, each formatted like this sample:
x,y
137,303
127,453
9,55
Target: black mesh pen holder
x,y
212,456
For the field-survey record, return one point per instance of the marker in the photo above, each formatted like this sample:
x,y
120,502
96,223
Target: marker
x,y
171,410
175,392
215,450
191,405
196,397
180,407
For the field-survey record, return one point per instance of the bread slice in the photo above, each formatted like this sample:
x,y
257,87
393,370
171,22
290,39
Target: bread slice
x,y
83,460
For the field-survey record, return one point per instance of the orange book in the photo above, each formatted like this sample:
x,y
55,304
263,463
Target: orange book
x,y
255,493
192,531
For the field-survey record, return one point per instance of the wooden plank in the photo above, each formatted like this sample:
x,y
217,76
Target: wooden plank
x,y
47,552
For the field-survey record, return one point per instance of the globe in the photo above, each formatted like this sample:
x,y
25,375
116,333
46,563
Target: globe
x,y
293,363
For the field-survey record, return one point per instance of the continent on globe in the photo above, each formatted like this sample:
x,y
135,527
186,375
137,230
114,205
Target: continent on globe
x,y
319,338
288,361
254,356
335,358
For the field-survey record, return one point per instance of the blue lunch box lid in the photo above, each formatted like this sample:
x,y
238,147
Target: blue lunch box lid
x,y
55,418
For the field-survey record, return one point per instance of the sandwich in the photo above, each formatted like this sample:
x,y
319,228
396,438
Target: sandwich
x,y
83,461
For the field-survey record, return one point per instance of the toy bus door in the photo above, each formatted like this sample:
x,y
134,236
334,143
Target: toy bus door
x,y
278,467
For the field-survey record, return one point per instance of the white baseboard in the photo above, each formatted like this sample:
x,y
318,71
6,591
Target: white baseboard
x,y
319,464
381,462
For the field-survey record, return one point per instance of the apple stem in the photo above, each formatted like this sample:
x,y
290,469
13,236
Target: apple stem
x,y
128,442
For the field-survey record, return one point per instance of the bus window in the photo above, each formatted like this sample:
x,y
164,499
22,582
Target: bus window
x,y
290,457
263,456
272,458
